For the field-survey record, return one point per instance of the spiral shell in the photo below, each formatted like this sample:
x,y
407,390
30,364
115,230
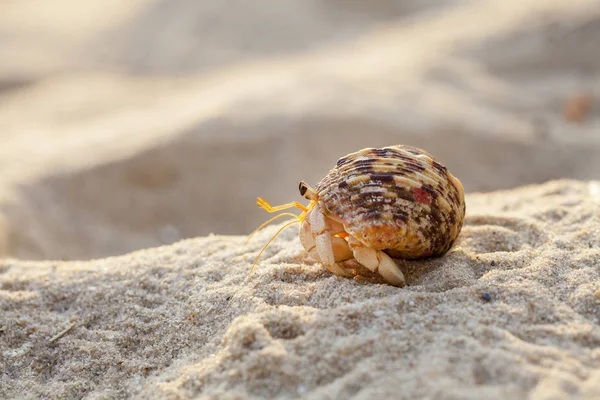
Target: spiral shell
x,y
397,199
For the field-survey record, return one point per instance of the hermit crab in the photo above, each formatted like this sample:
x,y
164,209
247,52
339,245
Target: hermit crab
x,y
376,204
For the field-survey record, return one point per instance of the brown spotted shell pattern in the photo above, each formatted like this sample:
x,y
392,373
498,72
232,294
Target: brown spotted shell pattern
x,y
397,199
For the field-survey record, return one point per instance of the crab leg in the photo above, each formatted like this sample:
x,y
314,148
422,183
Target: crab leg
x,y
316,235
377,261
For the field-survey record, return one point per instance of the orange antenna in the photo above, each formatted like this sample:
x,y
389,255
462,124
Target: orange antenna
x,y
268,222
270,209
269,242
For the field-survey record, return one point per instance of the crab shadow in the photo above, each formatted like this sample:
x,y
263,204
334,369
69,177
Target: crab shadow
x,y
486,244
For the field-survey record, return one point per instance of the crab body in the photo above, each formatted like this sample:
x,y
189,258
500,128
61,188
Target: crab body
x,y
376,204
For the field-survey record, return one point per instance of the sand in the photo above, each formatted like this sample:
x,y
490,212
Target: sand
x,y
134,141
510,312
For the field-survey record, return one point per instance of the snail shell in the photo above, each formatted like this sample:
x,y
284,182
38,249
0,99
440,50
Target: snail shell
x,y
397,199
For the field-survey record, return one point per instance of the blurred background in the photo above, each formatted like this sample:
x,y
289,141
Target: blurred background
x,y
125,125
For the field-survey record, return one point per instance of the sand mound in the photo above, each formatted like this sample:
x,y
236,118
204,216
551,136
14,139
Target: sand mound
x,y
510,312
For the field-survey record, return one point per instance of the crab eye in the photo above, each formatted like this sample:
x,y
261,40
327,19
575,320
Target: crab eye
x,y
303,188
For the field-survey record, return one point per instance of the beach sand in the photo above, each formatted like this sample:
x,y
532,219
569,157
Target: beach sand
x,y
135,140
510,312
